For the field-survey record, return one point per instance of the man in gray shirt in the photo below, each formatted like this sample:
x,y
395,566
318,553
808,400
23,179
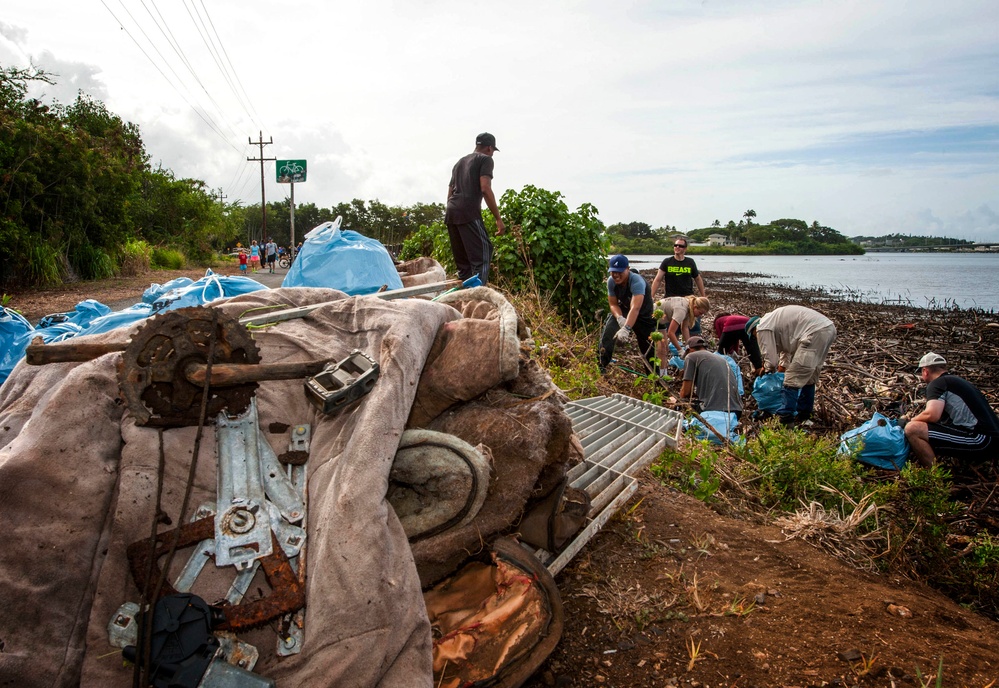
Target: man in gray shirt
x,y
471,182
711,377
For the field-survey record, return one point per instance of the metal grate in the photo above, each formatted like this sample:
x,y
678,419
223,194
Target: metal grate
x,y
620,436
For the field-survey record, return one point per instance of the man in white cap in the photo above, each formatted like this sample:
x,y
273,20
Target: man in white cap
x,y
957,420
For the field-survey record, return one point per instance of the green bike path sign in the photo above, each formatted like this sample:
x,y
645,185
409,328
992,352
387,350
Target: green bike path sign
x,y
290,171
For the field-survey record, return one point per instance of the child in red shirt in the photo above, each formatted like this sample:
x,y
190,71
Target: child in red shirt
x,y
242,261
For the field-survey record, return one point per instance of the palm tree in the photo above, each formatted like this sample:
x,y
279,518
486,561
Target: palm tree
x,y
749,215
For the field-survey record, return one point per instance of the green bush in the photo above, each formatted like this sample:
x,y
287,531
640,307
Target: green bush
x,y
92,262
167,259
433,241
558,254
135,258
692,472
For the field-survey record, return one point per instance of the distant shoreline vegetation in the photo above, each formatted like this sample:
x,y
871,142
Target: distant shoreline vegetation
x,y
783,237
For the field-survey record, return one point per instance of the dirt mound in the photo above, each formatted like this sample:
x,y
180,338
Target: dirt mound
x,y
669,578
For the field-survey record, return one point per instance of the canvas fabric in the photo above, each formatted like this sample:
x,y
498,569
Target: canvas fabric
x,y
78,484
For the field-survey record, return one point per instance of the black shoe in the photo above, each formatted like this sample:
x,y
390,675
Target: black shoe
x,y
788,421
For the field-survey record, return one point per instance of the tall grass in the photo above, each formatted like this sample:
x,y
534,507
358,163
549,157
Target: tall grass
x,y
135,258
167,259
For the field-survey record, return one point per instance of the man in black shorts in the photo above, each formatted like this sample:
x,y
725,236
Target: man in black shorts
x,y
678,274
471,181
957,420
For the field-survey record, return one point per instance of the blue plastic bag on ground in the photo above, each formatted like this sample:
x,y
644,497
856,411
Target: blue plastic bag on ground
x,y
767,392
205,290
155,291
81,315
735,369
344,260
15,335
112,321
722,421
879,442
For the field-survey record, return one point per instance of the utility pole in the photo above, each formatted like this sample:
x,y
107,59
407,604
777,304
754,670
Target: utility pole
x,y
222,196
263,202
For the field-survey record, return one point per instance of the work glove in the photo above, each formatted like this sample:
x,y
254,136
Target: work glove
x,y
622,321
760,372
623,335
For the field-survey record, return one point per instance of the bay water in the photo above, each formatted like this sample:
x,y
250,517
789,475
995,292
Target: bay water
x,y
926,280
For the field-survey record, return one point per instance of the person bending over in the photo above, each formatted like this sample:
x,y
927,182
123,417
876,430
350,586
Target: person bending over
x,y
711,378
680,313
730,329
630,301
796,340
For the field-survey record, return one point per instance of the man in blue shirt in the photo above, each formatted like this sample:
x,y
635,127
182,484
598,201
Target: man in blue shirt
x,y
957,420
630,299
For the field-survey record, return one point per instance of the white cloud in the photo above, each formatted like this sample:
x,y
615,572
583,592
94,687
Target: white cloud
x,y
670,113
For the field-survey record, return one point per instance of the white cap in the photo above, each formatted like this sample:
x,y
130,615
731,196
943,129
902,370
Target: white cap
x,y
932,359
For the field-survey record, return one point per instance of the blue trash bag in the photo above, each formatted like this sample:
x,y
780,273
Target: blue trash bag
x,y
879,442
13,329
81,315
205,290
767,390
155,291
113,321
344,260
54,333
735,369
722,421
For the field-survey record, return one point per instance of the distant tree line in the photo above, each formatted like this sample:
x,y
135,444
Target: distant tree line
x,y
908,241
783,236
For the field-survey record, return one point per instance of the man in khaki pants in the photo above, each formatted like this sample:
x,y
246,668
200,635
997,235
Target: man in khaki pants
x,y
795,340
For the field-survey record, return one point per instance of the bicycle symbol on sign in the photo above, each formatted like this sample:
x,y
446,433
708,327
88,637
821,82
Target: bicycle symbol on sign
x,y
291,170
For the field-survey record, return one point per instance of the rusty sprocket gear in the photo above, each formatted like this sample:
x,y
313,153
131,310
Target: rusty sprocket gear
x,y
152,370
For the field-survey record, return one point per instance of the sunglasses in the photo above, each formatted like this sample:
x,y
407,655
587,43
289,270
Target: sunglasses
x,y
679,245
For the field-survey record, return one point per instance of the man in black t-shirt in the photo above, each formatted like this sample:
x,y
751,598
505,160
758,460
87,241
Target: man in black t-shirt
x,y
679,274
471,181
957,420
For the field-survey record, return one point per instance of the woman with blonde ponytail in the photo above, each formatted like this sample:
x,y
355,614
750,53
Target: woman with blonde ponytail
x,y
679,315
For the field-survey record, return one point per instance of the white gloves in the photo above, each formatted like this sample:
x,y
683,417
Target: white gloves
x,y
623,335
621,321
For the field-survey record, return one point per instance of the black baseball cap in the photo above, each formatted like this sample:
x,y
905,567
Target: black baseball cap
x,y
486,139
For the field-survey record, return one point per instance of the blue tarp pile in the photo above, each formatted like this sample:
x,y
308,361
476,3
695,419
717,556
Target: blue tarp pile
x,y
93,317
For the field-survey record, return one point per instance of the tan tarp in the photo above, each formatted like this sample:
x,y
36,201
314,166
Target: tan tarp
x,y
77,485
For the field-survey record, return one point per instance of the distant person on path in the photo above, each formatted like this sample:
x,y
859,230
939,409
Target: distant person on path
x,y
471,181
679,315
679,274
242,260
711,378
795,340
957,420
730,329
254,256
271,249
630,301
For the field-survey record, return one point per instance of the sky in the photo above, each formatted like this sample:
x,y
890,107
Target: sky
x,y
868,117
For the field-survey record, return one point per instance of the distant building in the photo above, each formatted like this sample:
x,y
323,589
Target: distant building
x,y
719,240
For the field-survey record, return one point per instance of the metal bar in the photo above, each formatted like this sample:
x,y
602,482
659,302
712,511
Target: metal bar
x,y
302,311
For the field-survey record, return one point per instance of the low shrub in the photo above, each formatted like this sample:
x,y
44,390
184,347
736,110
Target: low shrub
x,y
167,259
135,258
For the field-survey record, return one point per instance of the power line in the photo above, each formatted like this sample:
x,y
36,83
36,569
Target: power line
x,y
211,125
229,62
